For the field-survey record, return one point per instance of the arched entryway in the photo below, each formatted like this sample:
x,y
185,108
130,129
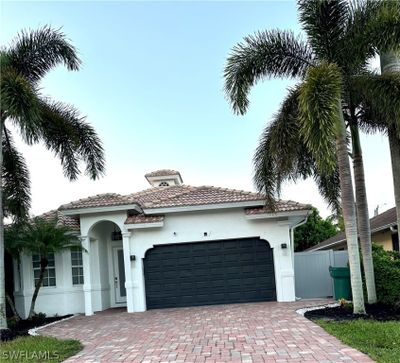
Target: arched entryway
x,y
205,273
107,270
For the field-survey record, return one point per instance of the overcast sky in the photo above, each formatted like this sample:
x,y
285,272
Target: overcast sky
x,y
151,84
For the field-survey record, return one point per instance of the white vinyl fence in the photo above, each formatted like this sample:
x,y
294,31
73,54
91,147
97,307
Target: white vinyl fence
x,y
312,272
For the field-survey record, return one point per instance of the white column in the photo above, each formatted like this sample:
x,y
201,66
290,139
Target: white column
x,y
126,243
140,290
283,263
87,286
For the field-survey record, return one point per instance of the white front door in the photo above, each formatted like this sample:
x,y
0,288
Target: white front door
x,y
119,275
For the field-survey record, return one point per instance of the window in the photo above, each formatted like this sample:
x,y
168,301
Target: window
x,y
49,278
163,184
77,266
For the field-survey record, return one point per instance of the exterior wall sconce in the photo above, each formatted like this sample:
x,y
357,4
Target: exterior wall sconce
x,y
133,258
283,246
205,234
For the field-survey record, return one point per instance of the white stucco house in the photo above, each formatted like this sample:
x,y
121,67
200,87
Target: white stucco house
x,y
171,245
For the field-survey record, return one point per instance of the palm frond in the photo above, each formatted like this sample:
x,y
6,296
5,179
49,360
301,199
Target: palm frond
x,y
379,96
324,22
319,107
329,188
19,103
266,54
383,30
281,155
34,52
361,18
72,139
16,182
44,236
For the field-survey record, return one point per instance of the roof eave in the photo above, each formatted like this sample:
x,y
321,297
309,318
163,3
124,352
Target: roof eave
x,y
104,209
334,243
202,207
145,225
274,215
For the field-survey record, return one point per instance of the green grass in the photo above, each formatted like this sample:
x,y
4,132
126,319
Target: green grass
x,y
38,349
380,340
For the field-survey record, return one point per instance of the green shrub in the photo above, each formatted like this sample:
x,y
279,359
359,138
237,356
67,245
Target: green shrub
x,y
387,275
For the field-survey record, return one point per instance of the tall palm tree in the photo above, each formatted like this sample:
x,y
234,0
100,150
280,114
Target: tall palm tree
x,y
390,63
38,119
283,156
334,30
44,238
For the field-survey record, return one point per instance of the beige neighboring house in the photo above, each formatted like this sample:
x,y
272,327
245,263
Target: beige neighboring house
x,y
384,231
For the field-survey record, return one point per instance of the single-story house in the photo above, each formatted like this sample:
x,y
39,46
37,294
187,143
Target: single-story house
x,y
384,231
171,245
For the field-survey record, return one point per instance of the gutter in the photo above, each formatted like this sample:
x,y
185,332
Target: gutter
x,y
292,234
292,244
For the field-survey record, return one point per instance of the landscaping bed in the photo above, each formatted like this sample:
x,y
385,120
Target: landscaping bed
x,y
22,327
379,312
377,333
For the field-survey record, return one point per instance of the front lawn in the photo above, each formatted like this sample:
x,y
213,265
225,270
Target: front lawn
x,y
38,349
380,340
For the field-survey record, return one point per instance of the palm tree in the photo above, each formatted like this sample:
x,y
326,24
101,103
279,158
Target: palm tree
x,y
334,30
38,119
283,156
390,62
379,97
44,238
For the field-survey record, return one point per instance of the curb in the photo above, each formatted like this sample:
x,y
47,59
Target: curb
x,y
302,311
34,331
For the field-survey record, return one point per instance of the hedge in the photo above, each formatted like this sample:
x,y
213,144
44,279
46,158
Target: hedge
x,y
387,275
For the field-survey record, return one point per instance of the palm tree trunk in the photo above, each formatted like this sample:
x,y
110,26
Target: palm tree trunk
x,y
364,228
12,306
394,142
43,265
390,62
3,317
349,215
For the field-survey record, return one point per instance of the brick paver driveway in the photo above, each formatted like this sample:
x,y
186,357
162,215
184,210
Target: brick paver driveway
x,y
257,332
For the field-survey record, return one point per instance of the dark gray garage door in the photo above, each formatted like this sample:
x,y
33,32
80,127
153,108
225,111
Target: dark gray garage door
x,y
203,273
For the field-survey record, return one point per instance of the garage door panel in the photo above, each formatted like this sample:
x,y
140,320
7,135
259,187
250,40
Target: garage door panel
x,y
214,272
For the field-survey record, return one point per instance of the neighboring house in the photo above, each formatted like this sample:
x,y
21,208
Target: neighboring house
x,y
384,231
171,245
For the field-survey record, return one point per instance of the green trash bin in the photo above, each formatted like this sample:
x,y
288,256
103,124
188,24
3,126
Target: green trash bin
x,y
341,282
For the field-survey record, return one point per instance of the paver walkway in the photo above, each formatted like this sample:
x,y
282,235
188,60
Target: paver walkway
x,y
256,332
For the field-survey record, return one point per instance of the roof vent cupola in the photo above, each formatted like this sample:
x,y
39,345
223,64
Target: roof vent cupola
x,y
164,178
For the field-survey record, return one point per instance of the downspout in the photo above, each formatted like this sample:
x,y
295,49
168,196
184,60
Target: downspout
x,y
292,242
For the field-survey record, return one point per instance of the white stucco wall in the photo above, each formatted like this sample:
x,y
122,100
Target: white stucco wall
x,y
64,298
177,228
221,224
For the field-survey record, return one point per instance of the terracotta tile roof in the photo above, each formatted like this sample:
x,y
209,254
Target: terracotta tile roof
x,y
162,172
382,221
177,196
141,218
70,222
281,206
99,200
